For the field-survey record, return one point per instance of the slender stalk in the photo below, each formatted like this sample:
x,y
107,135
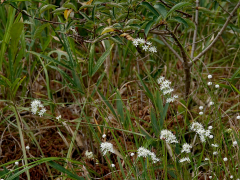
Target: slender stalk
x,y
18,117
195,31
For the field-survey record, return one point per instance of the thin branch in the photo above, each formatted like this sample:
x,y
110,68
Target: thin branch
x,y
195,31
219,34
171,49
186,14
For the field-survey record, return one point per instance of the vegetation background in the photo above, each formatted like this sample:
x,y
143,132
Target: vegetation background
x,y
95,67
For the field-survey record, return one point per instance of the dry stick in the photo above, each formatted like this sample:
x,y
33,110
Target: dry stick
x,y
216,38
195,31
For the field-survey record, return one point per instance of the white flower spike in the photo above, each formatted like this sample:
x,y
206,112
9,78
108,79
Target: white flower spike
x,y
106,147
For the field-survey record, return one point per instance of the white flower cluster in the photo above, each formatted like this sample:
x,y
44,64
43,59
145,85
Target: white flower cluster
x,y
146,46
89,154
143,152
168,136
186,148
215,145
198,128
166,89
36,105
184,160
105,147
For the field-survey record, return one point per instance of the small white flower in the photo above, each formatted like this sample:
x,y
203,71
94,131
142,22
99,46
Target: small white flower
x,y
89,154
210,177
143,152
215,145
238,117
41,112
184,160
27,147
200,107
149,43
195,126
16,163
153,49
145,47
211,103
201,113
160,79
217,86
209,127
209,83
215,153
113,165
206,159
225,159
132,154
58,117
168,136
234,143
135,42
209,76
186,148
105,147
104,135
231,177
211,136
141,40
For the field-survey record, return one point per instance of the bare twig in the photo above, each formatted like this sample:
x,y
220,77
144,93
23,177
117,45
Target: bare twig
x,y
218,35
171,49
195,31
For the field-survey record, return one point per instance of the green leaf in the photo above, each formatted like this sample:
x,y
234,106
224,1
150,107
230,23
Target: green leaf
x,y
111,4
235,89
101,60
39,30
85,16
178,6
190,23
15,33
47,7
148,27
107,29
64,171
91,59
181,20
161,9
150,8
59,10
154,122
86,6
69,5
133,21
93,13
